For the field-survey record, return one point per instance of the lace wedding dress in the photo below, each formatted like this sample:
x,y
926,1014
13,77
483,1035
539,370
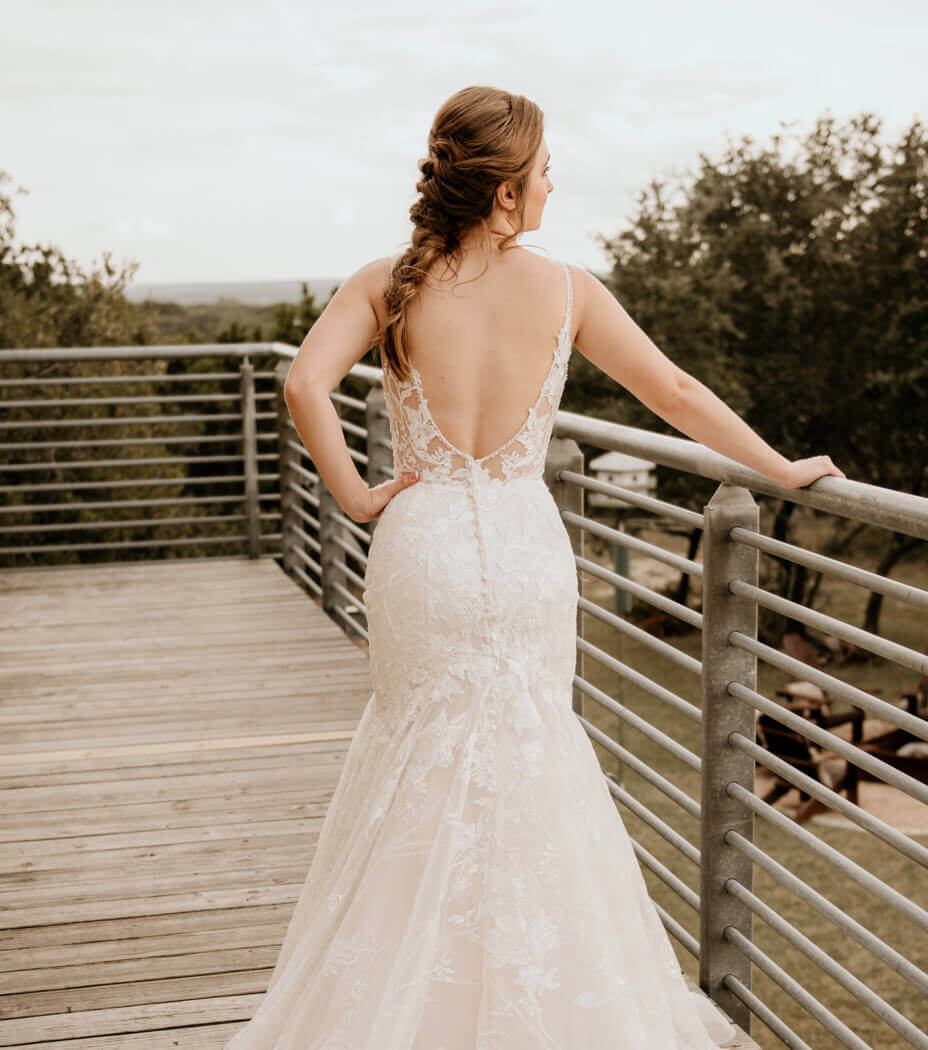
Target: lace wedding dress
x,y
474,886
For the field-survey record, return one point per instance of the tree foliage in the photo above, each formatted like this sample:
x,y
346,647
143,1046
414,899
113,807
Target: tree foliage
x,y
792,278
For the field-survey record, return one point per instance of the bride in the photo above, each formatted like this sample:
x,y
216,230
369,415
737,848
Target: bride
x,y
474,886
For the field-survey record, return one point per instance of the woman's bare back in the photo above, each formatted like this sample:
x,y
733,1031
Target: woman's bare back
x,y
483,344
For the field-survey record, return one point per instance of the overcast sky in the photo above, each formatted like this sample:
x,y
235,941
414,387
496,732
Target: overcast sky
x,y
273,141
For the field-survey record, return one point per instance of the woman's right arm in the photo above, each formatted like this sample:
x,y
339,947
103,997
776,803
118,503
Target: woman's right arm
x,y
608,337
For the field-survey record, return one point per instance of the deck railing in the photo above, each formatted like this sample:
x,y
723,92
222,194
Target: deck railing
x,y
74,418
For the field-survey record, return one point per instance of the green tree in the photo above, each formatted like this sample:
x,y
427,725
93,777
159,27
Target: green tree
x,y
791,278
292,321
47,300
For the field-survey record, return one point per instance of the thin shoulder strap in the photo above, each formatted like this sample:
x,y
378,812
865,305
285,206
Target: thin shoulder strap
x,y
565,327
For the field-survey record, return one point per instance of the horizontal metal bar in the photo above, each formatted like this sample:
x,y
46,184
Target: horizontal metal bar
x,y
854,696
690,518
674,928
358,457
352,552
348,401
127,442
887,508
625,539
352,526
838,973
648,685
128,399
124,544
867,821
649,641
352,428
311,541
880,769
311,585
167,351
113,504
659,601
309,497
349,619
347,571
129,523
138,483
307,559
653,821
666,875
115,421
658,736
347,595
301,471
900,654
872,581
654,778
851,869
764,1013
297,446
308,519
143,461
794,989
180,377
897,962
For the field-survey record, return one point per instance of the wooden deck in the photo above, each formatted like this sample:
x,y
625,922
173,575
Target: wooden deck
x,y
170,736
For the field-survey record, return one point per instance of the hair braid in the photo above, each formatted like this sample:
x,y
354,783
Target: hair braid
x,y
480,137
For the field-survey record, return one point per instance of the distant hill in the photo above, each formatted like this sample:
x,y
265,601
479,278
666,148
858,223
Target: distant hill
x,y
256,293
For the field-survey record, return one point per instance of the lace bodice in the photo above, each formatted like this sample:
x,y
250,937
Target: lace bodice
x,y
419,445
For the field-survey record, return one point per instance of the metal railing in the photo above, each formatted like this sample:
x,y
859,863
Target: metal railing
x,y
72,418
715,703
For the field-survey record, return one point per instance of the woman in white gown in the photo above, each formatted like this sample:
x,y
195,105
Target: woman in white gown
x,y
473,885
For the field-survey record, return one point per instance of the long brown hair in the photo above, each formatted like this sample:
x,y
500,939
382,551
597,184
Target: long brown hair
x,y
480,137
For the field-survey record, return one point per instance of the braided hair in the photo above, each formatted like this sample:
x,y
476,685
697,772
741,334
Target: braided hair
x,y
480,137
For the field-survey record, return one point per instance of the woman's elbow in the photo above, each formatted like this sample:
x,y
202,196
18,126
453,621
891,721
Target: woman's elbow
x,y
300,387
675,393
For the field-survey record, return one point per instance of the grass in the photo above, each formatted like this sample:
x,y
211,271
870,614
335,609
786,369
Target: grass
x,y
845,602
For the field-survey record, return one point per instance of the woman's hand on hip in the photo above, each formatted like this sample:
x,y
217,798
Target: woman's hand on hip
x,y
379,496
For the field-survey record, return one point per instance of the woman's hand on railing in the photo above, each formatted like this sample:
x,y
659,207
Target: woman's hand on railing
x,y
380,495
802,472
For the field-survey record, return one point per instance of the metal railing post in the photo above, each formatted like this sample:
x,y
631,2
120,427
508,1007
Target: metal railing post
x,y
250,456
379,451
330,531
565,454
287,458
724,612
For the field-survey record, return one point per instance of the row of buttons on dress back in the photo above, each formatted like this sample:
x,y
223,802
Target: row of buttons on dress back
x,y
473,480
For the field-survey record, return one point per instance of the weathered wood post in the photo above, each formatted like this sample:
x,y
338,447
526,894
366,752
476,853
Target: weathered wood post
x,y
287,457
722,714
250,455
565,454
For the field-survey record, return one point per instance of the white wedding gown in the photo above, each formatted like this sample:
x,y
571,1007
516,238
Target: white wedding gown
x,y
474,886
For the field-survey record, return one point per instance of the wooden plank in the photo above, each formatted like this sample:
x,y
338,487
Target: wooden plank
x,y
23,1031
172,735
199,1037
169,746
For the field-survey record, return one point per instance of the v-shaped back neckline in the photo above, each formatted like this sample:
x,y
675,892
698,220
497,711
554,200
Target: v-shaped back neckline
x,y
559,350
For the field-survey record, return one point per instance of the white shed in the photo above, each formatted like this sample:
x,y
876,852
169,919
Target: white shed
x,y
618,468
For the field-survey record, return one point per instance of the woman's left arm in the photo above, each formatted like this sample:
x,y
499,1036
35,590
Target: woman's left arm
x,y
341,336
